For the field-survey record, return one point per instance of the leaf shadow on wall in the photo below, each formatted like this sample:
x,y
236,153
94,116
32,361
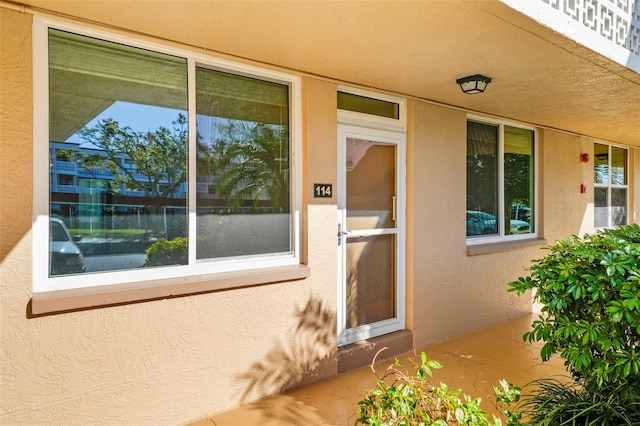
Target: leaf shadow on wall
x,y
311,350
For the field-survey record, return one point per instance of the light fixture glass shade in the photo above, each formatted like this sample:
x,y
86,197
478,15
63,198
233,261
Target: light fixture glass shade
x,y
473,84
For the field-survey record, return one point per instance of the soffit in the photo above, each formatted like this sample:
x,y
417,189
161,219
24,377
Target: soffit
x,y
412,48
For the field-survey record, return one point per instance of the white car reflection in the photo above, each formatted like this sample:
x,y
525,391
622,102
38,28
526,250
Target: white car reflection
x,y
65,256
483,223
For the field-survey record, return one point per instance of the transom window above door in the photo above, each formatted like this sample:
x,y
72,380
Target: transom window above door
x,y
368,109
367,105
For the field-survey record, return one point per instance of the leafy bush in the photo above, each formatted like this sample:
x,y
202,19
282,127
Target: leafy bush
x,y
412,400
590,291
167,252
556,402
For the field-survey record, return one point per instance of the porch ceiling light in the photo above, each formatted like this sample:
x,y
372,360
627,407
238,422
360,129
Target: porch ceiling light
x,y
473,84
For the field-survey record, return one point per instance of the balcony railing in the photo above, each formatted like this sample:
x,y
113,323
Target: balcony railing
x,y
609,27
618,21
64,167
69,189
96,173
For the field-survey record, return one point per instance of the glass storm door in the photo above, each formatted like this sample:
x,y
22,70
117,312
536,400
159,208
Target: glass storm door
x,y
371,206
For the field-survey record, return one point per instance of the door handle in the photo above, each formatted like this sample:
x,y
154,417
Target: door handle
x,y
393,208
341,233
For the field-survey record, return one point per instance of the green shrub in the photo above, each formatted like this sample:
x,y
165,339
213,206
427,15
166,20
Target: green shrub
x,y
411,400
167,252
590,291
554,402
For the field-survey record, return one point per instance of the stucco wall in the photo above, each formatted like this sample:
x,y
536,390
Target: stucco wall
x,y
169,361
453,293
159,362
635,177
565,210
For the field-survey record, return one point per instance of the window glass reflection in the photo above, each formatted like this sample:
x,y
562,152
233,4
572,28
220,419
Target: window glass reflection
x,y
118,155
601,163
243,179
618,166
482,178
518,180
618,206
601,206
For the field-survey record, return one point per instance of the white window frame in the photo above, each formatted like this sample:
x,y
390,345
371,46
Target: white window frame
x,y
41,176
501,237
373,121
611,185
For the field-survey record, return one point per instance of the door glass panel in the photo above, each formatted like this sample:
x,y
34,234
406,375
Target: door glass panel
x,y
370,279
371,184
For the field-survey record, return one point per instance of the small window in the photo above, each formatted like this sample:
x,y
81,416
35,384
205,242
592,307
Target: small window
x,y
500,181
65,180
610,186
366,105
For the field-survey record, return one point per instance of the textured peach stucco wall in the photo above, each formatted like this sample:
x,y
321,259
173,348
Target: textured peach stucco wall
x,y
566,210
453,293
170,361
160,362
635,179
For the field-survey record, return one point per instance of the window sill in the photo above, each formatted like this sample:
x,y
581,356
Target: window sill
x,y
56,302
477,249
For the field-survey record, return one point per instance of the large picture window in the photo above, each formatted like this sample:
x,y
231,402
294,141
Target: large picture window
x,y
143,183
500,181
610,186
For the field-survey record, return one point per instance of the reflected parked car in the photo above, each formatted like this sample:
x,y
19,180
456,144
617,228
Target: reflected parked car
x,y
480,223
521,212
483,223
65,255
520,218
520,227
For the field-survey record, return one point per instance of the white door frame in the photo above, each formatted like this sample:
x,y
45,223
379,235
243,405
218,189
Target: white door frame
x,y
352,335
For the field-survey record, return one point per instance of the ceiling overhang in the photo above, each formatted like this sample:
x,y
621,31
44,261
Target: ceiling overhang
x,y
415,49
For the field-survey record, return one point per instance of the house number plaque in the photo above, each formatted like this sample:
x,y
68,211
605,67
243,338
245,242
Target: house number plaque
x,y
322,190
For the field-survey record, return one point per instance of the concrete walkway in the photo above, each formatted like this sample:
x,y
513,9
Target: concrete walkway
x,y
474,363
